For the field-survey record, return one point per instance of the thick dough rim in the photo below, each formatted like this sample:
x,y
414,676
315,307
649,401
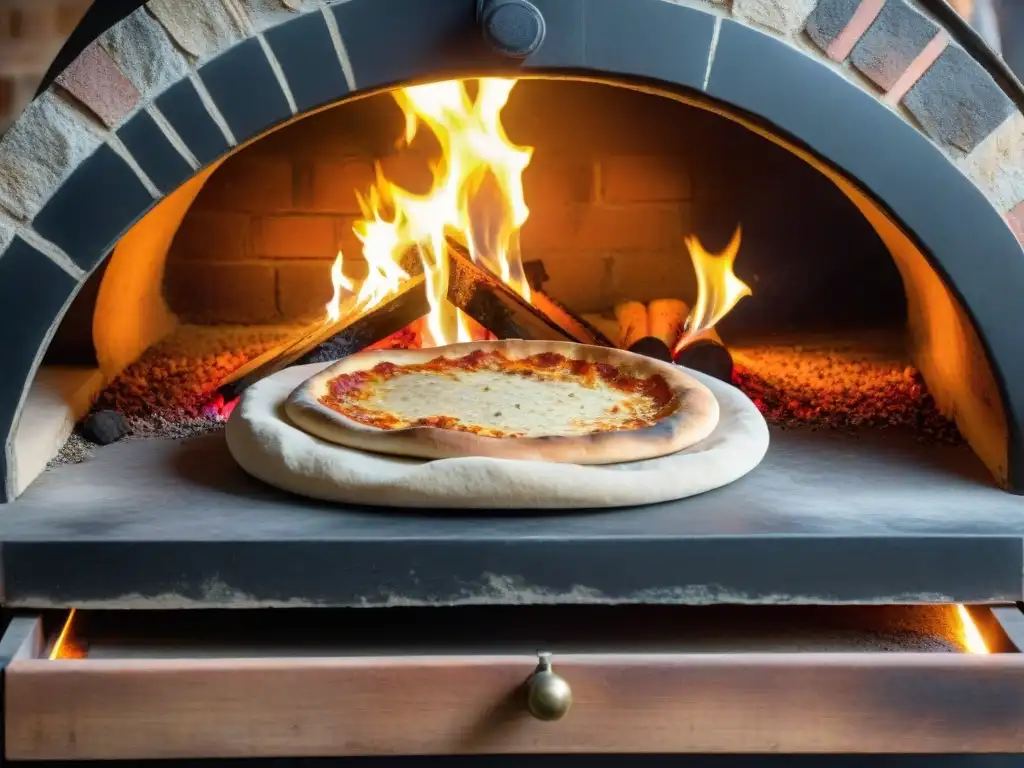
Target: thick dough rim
x,y
267,446
694,418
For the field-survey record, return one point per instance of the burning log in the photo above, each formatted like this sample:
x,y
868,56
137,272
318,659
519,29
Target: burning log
x,y
609,327
707,356
632,317
496,306
332,341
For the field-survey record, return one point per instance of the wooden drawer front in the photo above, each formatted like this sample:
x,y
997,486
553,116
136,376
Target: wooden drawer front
x,y
706,703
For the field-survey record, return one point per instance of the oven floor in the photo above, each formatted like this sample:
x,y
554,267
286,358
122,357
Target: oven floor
x,y
826,518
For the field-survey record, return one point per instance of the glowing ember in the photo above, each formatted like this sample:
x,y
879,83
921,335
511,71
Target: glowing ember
x,y
476,197
973,641
718,288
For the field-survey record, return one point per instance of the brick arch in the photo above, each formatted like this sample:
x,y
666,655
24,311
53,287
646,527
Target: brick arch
x,y
178,84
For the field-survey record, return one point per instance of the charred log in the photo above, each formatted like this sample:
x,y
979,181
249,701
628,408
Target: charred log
x,y
649,346
333,341
497,307
707,356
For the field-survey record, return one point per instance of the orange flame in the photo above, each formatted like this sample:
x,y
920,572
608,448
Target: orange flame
x,y
476,196
973,641
718,288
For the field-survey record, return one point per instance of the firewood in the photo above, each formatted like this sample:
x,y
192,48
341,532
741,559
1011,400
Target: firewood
x,y
484,297
576,326
324,342
707,356
632,317
609,327
649,346
667,319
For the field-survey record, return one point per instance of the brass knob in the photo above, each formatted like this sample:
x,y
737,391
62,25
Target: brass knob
x,y
548,695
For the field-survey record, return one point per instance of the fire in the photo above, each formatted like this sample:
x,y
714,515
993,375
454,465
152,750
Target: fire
x,y
973,641
718,288
476,197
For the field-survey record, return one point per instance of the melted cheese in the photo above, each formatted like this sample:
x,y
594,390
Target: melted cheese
x,y
518,405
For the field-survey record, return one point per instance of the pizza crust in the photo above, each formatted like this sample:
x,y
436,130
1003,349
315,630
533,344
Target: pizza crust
x,y
692,414
269,447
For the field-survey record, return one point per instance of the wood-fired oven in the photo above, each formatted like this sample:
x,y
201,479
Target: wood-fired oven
x,y
820,202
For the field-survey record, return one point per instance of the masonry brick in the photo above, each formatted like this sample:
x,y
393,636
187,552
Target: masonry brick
x,y
645,179
215,292
303,289
582,280
295,237
214,236
336,182
95,80
557,182
647,275
250,183
346,239
604,228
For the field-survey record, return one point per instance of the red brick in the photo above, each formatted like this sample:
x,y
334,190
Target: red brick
x,y
251,183
305,237
1015,218
350,245
648,275
213,236
605,228
95,80
644,179
580,280
557,182
216,292
409,170
336,182
303,289
69,14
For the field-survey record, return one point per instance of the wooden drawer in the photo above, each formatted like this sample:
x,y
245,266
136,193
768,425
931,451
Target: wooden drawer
x,y
206,701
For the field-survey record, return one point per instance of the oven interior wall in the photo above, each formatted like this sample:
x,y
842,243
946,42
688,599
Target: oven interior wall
x,y
617,179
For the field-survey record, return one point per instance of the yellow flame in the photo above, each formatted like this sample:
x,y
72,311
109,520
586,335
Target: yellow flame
x,y
718,288
62,638
973,641
476,196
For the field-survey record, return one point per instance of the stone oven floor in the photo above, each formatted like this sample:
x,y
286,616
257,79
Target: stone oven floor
x,y
827,518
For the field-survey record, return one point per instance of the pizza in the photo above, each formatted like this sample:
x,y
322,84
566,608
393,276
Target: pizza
x,y
539,400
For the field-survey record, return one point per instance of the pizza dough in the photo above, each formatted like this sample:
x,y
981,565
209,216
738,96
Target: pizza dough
x,y
267,446
547,415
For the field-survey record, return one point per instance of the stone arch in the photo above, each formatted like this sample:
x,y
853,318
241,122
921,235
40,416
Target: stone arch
x,y
177,85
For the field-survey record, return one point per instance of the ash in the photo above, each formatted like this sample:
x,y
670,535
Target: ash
x,y
864,383
849,386
169,391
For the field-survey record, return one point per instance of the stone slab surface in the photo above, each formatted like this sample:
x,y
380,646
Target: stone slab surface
x,y
264,14
95,80
200,27
826,518
39,152
997,165
828,19
144,53
892,43
784,17
960,115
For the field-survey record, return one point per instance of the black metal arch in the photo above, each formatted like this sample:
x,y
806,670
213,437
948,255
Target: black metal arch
x,y
666,45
